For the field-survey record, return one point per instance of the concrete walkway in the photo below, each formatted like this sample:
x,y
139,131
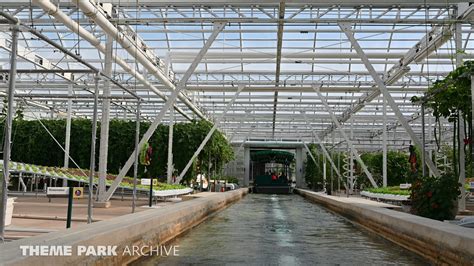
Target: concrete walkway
x,y
35,215
359,200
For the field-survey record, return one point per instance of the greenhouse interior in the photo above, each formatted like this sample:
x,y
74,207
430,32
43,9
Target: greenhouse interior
x,y
188,126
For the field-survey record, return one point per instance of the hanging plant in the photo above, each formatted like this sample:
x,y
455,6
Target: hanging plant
x,y
145,154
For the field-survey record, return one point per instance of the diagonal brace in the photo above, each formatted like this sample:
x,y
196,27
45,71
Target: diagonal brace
x,y
344,135
323,148
347,29
218,27
209,135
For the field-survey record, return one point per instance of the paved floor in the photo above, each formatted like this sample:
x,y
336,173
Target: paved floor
x,y
359,200
36,215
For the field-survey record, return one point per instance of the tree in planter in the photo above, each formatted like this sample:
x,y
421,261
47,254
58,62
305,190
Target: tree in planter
x,y
435,198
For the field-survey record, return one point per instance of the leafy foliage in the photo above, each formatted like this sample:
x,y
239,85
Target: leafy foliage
x,y
435,198
314,174
397,165
451,98
32,144
395,190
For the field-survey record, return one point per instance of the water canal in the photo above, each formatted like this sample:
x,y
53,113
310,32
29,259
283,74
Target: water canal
x,y
282,229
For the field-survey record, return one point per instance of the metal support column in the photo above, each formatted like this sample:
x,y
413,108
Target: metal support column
x,y
325,178
170,149
135,163
209,134
67,144
92,159
8,129
384,144
423,141
299,168
344,135
104,124
461,135
346,28
247,166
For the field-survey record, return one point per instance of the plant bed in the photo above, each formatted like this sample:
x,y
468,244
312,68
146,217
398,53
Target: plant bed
x,y
82,175
385,196
394,194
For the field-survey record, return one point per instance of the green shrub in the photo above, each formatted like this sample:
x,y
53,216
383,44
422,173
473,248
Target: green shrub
x,y
435,198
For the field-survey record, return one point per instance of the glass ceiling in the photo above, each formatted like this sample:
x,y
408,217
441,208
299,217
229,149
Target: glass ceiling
x,y
279,51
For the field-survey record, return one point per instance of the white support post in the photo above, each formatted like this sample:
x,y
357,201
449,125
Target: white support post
x,y
461,135
384,143
351,156
472,110
344,135
323,148
346,28
135,163
209,135
92,157
170,102
247,166
105,120
8,130
67,145
170,149
325,178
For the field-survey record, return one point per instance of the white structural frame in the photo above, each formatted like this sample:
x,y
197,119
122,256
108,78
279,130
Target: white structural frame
x,y
277,50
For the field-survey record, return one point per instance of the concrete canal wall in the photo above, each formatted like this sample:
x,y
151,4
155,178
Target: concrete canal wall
x,y
439,242
147,228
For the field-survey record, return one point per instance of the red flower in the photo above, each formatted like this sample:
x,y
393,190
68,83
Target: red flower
x,y
434,206
429,194
467,141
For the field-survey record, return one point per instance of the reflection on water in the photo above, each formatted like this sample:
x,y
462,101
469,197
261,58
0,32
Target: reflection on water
x,y
285,230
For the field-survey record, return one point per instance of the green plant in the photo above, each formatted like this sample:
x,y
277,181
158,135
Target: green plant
x,y
397,164
451,98
32,144
395,190
314,172
435,197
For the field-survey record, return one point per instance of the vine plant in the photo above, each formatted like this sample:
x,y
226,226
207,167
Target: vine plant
x,y
450,98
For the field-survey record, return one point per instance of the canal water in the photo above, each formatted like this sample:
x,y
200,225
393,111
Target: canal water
x,y
281,230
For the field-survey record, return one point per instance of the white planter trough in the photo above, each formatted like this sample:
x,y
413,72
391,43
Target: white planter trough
x,y
10,204
380,196
171,192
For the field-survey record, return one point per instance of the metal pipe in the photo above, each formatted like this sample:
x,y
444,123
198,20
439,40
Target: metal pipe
x,y
92,159
170,149
105,119
135,163
8,131
67,144
423,141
